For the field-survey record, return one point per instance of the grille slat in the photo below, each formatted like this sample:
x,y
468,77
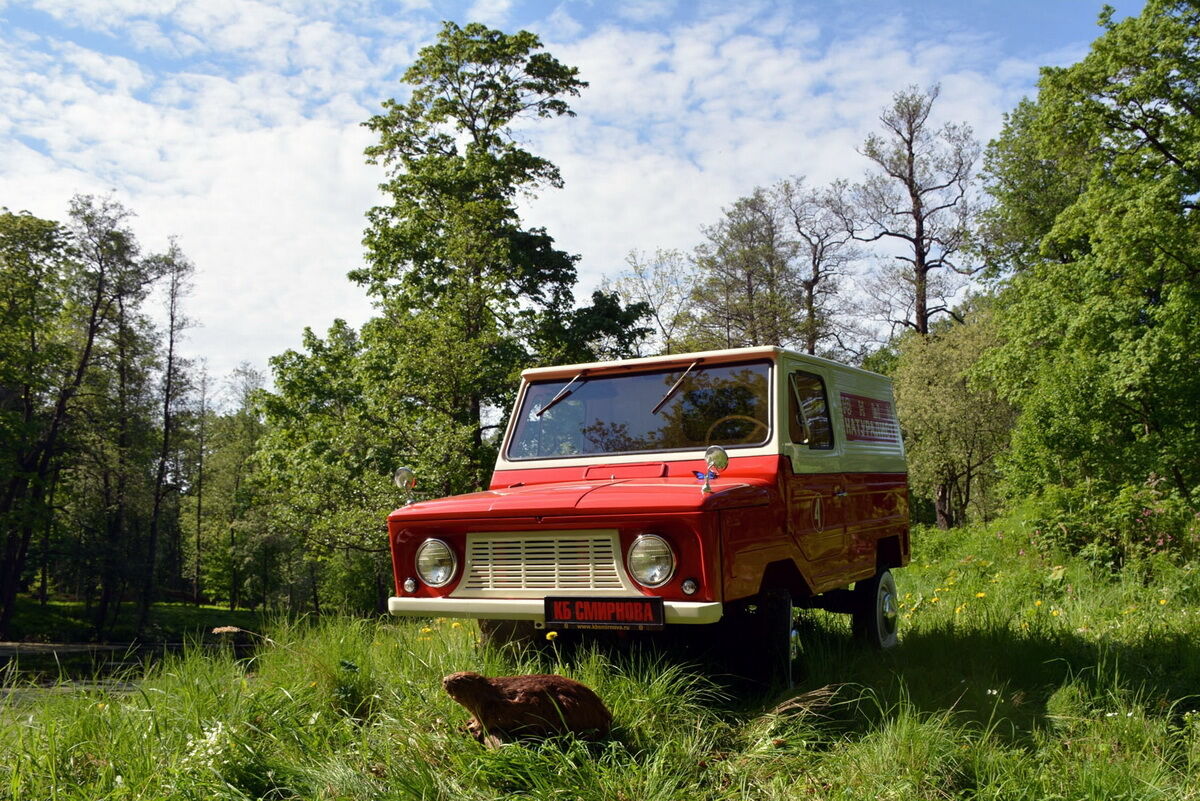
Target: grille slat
x,y
539,563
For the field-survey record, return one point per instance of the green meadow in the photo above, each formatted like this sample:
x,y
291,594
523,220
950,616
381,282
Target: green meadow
x,y
1021,674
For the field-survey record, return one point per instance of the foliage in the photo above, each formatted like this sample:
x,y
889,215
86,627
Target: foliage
x,y
663,282
955,426
1111,531
468,295
769,274
1098,327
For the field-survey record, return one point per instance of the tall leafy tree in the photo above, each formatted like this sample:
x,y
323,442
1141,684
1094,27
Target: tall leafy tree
x,y
36,333
177,271
1100,317
468,294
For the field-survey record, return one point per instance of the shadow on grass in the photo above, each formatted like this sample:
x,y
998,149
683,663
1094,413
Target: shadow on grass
x,y
1000,678
997,678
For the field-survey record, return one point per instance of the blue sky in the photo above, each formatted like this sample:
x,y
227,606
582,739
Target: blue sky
x,y
235,124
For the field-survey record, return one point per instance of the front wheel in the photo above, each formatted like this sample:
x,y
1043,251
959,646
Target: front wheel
x,y
758,640
876,614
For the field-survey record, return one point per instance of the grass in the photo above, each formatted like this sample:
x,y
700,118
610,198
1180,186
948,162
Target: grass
x,y
1020,676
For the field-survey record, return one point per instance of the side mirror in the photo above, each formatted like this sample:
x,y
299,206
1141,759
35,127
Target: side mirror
x,y
405,479
716,459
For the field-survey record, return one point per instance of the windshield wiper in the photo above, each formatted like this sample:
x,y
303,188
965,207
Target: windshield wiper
x,y
562,393
674,387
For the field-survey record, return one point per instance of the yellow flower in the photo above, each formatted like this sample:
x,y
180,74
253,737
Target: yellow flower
x,y
456,625
426,630
1056,613
550,635
1162,601
1037,603
934,599
958,609
981,595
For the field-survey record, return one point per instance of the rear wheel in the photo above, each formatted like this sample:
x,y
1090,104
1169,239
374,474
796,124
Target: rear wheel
x,y
876,615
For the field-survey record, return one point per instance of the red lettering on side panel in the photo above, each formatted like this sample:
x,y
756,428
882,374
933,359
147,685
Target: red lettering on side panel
x,y
869,419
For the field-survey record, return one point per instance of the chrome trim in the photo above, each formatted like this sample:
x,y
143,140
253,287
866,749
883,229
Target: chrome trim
x,y
682,612
534,564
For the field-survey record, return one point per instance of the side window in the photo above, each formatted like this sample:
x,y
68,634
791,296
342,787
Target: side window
x,y
808,420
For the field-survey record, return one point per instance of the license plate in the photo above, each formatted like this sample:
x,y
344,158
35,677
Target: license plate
x,y
625,614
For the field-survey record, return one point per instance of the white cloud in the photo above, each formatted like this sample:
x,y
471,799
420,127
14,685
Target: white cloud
x,y
489,12
248,145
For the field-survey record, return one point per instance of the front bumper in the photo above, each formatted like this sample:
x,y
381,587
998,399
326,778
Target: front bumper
x,y
687,612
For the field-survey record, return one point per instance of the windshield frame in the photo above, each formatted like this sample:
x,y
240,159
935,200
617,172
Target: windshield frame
x,y
771,403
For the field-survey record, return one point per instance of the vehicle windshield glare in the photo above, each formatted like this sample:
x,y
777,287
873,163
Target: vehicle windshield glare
x,y
721,404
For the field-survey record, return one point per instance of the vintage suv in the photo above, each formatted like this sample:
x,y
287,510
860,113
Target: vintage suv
x,y
710,491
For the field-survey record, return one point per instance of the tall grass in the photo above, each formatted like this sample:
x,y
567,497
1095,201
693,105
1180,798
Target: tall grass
x,y
1021,675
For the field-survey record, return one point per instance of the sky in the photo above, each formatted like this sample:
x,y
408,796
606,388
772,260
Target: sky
x,y
235,125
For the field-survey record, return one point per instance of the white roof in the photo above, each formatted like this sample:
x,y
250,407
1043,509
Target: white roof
x,y
707,356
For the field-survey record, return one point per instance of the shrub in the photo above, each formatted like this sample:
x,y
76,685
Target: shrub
x,y
1111,528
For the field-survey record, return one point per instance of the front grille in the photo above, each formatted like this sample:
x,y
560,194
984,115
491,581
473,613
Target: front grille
x,y
529,564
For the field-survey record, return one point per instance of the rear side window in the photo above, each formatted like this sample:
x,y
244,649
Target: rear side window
x,y
809,411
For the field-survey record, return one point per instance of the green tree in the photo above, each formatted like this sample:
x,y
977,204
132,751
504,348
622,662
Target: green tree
x,y
36,341
955,424
1099,319
769,274
468,295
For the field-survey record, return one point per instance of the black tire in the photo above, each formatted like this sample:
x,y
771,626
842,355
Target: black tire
x,y
876,614
759,640
778,627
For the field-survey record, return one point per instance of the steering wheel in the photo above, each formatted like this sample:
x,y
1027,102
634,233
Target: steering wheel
x,y
755,421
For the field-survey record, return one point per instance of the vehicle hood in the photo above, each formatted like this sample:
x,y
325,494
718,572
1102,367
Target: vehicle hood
x,y
620,496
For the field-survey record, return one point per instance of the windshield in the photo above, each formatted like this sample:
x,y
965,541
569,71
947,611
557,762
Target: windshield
x,y
725,404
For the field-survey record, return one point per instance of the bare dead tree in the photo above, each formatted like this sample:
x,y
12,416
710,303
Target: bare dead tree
x,y
918,197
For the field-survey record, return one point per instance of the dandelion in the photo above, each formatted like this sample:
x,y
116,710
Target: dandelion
x,y
934,599
1056,613
456,625
1162,601
551,635
1037,603
981,595
958,609
426,630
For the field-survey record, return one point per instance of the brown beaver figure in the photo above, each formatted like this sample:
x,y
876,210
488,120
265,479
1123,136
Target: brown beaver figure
x,y
527,706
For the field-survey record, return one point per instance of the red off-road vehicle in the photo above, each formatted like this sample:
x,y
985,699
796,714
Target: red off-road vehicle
x,y
711,490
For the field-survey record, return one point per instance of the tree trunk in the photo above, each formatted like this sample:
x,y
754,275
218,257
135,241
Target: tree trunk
x,y
942,506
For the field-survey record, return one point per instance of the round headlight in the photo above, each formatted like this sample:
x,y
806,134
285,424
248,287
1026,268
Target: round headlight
x,y
435,563
651,561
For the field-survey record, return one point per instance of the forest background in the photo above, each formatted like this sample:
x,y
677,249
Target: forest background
x,y
1035,300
